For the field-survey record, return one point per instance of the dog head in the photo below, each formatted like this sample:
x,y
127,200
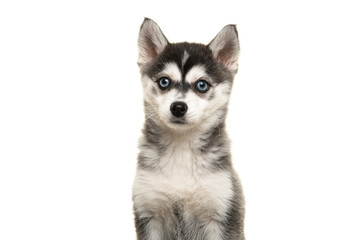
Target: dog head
x,y
187,85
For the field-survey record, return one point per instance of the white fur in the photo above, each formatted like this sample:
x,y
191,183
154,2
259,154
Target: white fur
x,y
172,71
195,73
213,231
155,230
181,176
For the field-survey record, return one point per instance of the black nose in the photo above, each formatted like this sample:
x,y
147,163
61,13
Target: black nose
x,y
178,109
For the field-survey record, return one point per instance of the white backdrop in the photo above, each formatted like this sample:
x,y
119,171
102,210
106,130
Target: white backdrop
x,y
71,114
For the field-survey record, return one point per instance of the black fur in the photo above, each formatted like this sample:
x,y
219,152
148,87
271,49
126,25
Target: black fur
x,y
182,86
199,54
140,224
233,225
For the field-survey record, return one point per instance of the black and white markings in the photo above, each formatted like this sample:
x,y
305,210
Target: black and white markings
x,y
185,187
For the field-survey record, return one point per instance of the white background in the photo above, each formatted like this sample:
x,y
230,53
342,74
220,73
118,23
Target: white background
x,y
71,114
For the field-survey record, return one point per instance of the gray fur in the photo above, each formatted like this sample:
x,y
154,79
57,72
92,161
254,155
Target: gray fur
x,y
202,208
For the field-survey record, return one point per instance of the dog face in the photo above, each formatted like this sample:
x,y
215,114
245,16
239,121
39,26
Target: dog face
x,y
186,85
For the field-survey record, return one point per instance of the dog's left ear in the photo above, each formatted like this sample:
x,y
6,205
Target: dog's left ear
x,y
225,47
151,41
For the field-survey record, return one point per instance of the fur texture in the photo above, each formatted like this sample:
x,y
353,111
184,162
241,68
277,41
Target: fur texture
x,y
185,187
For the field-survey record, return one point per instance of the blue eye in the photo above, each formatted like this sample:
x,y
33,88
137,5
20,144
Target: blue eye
x,y
202,86
164,83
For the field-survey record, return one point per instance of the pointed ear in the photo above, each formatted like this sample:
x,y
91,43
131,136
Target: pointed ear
x,y
151,41
225,47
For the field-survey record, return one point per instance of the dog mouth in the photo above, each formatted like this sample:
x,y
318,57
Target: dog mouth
x,y
180,121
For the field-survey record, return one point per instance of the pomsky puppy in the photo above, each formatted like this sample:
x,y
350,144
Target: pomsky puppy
x,y
185,186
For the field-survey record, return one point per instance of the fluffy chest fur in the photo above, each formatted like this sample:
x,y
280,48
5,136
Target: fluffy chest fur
x,y
181,180
182,171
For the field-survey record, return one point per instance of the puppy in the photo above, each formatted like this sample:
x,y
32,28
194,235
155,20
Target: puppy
x,y
185,186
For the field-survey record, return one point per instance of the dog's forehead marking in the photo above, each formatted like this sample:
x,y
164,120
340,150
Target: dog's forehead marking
x,y
184,58
195,73
172,70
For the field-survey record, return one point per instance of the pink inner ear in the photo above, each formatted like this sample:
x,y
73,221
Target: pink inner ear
x,y
151,52
225,54
150,48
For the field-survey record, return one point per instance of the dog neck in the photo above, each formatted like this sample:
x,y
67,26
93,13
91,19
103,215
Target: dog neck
x,y
209,145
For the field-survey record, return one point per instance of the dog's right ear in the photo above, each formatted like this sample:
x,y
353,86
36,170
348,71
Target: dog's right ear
x,y
225,47
151,41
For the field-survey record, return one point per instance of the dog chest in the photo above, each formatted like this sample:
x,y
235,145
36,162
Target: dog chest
x,y
181,177
153,191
